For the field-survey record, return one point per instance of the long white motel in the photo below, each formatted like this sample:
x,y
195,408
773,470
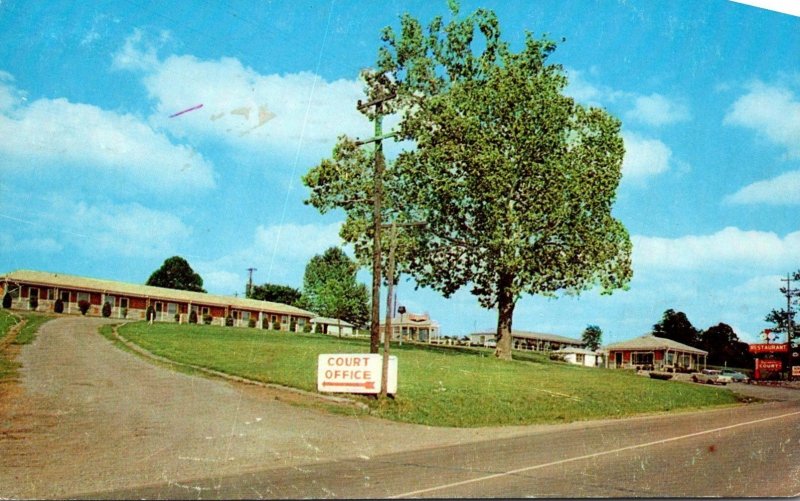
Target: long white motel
x,y
131,301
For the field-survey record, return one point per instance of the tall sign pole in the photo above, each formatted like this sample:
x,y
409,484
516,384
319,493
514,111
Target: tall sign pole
x,y
375,321
789,319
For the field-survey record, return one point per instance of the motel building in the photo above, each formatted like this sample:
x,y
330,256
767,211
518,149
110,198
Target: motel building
x,y
528,341
131,301
649,352
417,327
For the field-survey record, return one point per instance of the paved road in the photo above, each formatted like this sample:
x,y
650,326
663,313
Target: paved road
x,y
99,422
752,451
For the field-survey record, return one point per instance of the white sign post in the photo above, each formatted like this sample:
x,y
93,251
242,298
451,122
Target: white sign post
x,y
354,373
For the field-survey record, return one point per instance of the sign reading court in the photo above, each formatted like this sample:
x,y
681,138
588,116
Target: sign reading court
x,y
355,373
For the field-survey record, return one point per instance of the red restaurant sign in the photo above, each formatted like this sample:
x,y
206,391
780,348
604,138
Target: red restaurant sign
x,y
769,348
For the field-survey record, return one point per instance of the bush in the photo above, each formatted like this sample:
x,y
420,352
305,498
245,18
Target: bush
x,y
229,321
318,328
58,306
207,319
251,322
33,302
177,317
84,306
307,328
193,317
106,309
276,326
7,300
265,323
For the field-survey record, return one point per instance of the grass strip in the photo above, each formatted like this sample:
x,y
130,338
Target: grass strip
x,y
436,386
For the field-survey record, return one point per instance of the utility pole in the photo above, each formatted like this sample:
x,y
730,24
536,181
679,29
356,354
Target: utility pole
x,y
789,319
250,282
387,335
375,323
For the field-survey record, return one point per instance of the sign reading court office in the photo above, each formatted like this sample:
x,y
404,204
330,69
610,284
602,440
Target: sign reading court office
x,y
354,373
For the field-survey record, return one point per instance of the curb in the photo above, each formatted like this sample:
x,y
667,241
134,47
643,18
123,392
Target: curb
x,y
330,399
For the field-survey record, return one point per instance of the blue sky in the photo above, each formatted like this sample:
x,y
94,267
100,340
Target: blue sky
x,y
96,179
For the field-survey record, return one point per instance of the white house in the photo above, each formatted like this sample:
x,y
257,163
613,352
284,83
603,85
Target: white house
x,y
579,356
331,326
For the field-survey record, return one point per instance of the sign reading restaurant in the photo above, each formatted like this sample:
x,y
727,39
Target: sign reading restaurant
x,y
769,348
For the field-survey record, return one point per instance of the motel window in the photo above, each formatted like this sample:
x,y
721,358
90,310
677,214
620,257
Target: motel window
x,y
642,359
246,316
65,296
34,293
274,319
580,357
51,293
172,308
83,296
112,300
123,302
204,310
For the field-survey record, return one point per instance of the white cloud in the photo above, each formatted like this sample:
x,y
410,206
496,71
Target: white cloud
x,y
772,112
241,106
730,247
780,190
276,251
644,157
587,93
52,134
657,110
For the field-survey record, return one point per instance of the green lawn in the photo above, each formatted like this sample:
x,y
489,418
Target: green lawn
x,y
436,386
8,367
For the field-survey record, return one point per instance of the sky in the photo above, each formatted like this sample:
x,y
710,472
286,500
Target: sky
x,y
101,175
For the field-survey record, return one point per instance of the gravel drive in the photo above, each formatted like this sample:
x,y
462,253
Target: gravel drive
x,y
89,417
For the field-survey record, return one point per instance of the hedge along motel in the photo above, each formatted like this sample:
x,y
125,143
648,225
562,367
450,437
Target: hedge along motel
x,y
132,300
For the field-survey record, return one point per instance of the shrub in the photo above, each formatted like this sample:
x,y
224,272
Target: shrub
x,y
276,326
251,322
33,302
193,317
106,309
318,328
265,323
307,328
177,317
58,306
84,306
207,319
7,300
229,321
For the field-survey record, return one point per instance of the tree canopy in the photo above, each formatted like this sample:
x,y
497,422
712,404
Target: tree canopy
x,y
592,337
276,293
330,288
515,180
723,347
675,325
176,273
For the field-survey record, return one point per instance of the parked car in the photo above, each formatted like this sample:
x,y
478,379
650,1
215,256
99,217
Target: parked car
x,y
711,376
736,376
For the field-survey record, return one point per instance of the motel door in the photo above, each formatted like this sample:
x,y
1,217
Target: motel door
x,y
618,359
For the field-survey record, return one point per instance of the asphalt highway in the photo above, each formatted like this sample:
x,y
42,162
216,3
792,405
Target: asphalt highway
x,y
746,451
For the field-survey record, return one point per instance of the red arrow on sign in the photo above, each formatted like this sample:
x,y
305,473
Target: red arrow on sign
x,y
370,385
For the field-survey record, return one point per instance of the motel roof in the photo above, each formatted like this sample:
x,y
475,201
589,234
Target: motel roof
x,y
43,278
331,321
650,342
535,335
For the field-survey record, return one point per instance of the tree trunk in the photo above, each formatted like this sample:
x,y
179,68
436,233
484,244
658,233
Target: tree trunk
x,y
505,314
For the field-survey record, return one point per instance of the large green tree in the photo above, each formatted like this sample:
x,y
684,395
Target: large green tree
x,y
515,180
723,346
176,273
592,337
277,293
330,288
675,325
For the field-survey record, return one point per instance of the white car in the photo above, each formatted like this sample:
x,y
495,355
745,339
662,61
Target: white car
x,y
711,376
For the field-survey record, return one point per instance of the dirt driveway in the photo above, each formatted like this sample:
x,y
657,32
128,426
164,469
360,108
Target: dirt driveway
x,y
89,417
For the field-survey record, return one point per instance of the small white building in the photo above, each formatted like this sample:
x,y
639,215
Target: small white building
x,y
579,356
332,326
